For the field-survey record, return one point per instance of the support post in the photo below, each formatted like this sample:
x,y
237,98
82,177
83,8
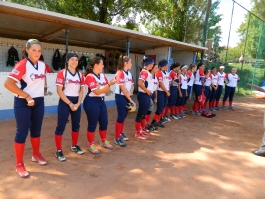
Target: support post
x,y
66,39
229,31
128,48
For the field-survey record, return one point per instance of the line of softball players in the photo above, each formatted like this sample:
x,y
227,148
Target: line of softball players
x,y
169,91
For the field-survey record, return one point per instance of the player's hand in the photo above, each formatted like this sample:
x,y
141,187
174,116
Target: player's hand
x,y
168,93
180,94
112,82
186,94
149,93
155,101
30,101
133,103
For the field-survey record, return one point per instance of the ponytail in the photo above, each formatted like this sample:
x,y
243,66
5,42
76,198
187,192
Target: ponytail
x,y
93,62
122,60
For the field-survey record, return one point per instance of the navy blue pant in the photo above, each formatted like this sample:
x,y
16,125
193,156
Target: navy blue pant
x,y
183,98
28,118
144,105
189,93
197,90
213,95
161,102
153,96
229,92
219,92
121,102
96,111
177,102
207,93
63,111
173,96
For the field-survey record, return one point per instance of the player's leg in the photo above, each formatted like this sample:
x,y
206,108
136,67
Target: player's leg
x,y
144,110
75,118
92,108
121,102
63,111
218,96
159,109
227,93
182,103
231,97
261,150
23,116
37,114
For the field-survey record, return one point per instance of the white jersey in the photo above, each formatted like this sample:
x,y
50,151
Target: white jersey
x,y
215,79
155,84
72,83
199,74
29,77
163,76
94,82
208,81
123,78
190,77
221,77
232,80
146,76
183,81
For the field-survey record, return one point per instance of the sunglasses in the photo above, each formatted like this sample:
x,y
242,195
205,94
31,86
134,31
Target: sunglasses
x,y
32,41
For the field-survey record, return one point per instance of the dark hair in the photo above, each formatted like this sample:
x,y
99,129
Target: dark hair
x,y
146,60
162,63
122,60
191,66
174,65
213,68
95,60
66,68
24,54
206,71
200,64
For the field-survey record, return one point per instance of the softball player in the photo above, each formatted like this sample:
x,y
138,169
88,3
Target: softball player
x,y
123,92
214,88
69,83
207,86
197,88
145,87
232,79
162,93
183,90
221,77
151,127
27,81
174,81
94,104
190,76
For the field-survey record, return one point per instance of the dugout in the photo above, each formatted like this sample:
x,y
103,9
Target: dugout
x,y
57,31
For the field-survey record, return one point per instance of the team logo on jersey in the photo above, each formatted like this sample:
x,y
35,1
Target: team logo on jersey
x,y
59,80
36,76
16,72
142,76
121,80
73,81
92,84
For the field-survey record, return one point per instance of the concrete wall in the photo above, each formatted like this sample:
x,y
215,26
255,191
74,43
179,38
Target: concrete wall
x,y
161,53
183,57
51,100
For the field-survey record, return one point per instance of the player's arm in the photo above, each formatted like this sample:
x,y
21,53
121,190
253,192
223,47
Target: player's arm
x,y
141,85
10,84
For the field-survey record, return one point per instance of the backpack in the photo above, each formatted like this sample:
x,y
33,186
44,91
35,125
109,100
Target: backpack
x,y
56,60
12,57
82,62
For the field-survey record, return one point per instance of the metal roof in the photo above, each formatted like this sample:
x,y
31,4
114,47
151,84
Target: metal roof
x,y
23,22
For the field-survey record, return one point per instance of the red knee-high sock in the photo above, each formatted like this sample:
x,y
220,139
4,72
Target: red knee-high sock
x,y
185,107
147,119
172,110
58,142
137,127
176,110
156,117
196,106
118,130
143,124
166,111
230,103
35,143
224,101
122,126
216,103
103,135
205,104
180,109
90,137
160,116
210,104
74,138
19,152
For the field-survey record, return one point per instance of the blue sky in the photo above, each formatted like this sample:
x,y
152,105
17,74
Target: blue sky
x,y
225,9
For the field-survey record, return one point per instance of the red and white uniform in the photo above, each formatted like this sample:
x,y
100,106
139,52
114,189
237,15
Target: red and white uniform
x,y
199,74
208,81
173,76
123,78
155,84
190,77
29,77
163,76
233,79
183,81
93,81
146,76
215,79
71,84
221,77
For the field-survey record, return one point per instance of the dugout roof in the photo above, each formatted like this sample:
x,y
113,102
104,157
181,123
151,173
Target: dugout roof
x,y
23,22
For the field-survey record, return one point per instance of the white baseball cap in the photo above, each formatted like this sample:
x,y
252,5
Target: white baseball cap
x,y
222,67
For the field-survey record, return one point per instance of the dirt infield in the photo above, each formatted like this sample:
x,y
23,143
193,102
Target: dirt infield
x,y
194,157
